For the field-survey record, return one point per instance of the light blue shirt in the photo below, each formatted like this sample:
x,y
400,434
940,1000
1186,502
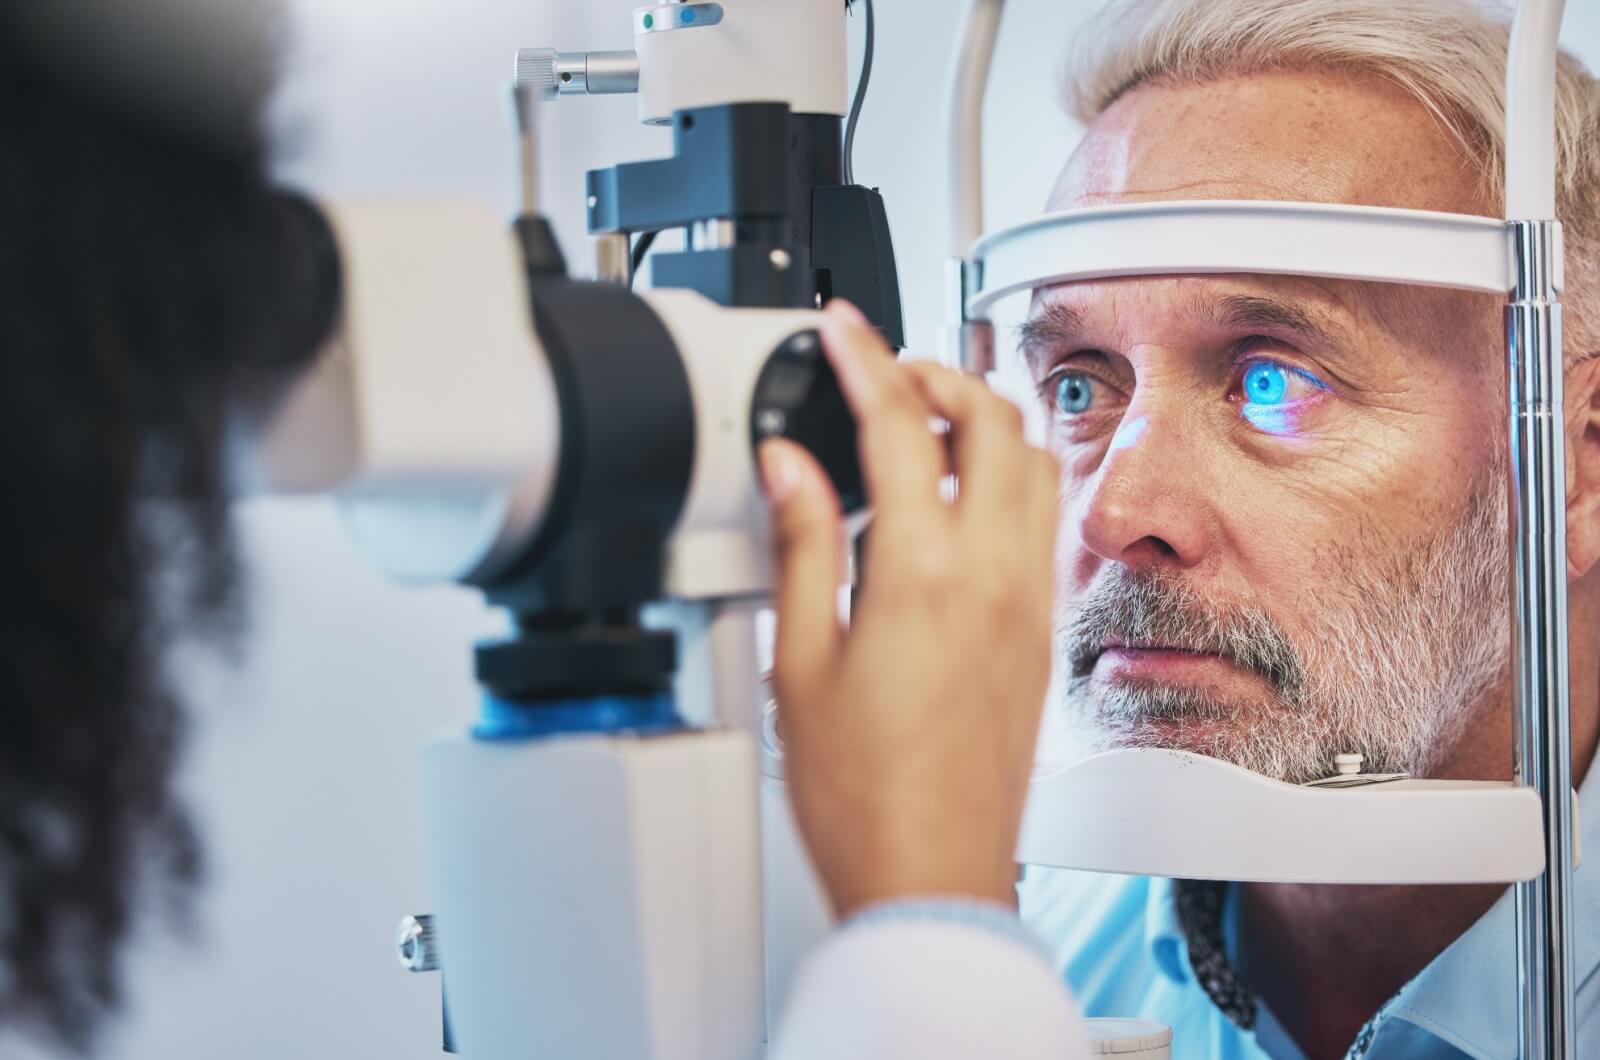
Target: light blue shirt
x,y
1118,944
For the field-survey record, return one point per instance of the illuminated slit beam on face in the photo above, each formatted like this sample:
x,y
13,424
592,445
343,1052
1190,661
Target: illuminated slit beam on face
x,y
1128,433
1272,419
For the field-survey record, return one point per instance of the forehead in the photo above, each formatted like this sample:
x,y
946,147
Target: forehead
x,y
1297,135
1304,136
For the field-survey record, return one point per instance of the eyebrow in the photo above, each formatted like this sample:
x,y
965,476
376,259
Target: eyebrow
x,y
1056,325
1257,312
1053,326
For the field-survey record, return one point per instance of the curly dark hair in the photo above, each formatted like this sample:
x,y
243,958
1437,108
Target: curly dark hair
x,y
149,278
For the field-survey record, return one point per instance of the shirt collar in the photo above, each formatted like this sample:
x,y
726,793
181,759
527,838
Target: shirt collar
x,y
1467,996
1163,932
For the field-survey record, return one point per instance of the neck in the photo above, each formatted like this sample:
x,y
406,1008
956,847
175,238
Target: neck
x,y
1299,943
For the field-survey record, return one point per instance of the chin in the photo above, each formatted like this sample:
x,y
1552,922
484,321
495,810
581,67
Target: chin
x,y
1236,739
1200,736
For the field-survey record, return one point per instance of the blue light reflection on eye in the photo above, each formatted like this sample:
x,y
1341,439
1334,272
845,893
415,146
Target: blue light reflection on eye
x,y
1265,383
1128,433
1266,396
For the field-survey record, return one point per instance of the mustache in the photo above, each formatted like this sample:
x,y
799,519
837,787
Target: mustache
x,y
1130,606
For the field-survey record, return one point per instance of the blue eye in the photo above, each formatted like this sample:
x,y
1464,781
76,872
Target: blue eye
x,y
1265,383
1274,395
1074,393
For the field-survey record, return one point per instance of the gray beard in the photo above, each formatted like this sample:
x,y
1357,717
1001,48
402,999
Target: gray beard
x,y
1410,639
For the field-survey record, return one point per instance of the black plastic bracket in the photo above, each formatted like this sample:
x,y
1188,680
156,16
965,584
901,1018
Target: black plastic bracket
x,y
741,275
852,254
729,162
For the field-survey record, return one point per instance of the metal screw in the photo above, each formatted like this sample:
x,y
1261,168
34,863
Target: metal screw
x,y
415,944
771,421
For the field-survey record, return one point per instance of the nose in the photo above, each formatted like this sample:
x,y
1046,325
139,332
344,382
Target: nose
x,y
1146,505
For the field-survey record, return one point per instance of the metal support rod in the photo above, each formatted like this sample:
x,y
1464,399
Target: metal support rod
x,y
970,342
613,258
525,100
738,695
1544,728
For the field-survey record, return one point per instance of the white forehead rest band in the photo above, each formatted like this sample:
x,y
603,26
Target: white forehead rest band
x,y
1285,238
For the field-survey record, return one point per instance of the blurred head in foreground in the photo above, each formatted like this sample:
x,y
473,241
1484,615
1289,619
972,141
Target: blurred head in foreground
x,y
147,278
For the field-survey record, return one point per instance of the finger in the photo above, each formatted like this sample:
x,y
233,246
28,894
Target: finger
x,y
987,441
902,460
810,546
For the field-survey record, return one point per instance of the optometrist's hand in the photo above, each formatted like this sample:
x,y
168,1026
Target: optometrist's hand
x,y
909,738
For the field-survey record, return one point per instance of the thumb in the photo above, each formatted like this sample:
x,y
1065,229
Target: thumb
x,y
810,545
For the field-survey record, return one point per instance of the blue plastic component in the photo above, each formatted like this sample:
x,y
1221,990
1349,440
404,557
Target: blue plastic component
x,y
507,720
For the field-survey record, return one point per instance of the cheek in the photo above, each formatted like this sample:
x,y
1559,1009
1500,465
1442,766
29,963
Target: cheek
x,y
1076,565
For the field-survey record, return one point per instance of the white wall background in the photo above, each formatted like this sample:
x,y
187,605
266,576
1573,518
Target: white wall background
x,y
303,765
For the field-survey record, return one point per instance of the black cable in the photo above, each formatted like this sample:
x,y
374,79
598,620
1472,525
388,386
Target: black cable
x,y
641,247
861,96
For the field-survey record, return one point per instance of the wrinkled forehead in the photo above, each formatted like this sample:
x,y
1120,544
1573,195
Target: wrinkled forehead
x,y
1290,136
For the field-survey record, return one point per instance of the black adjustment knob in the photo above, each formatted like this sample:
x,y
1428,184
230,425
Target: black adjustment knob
x,y
797,397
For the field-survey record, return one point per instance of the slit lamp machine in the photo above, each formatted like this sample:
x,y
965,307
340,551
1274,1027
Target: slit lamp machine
x,y
608,843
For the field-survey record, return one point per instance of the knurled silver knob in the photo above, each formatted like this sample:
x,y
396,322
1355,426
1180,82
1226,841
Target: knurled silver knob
x,y
546,73
416,945
536,70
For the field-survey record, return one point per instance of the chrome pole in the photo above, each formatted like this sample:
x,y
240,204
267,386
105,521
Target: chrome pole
x,y
1544,728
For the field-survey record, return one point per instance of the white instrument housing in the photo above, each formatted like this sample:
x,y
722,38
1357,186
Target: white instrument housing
x,y
572,870
723,543
432,412
761,51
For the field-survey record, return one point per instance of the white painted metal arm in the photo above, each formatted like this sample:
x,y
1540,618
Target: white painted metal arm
x,y
1530,111
969,84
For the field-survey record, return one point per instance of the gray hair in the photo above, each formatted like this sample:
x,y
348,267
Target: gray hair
x,y
1450,55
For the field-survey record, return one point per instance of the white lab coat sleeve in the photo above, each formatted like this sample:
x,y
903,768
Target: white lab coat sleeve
x,y
930,989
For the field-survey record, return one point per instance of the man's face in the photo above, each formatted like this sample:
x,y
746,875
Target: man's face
x,y
1283,498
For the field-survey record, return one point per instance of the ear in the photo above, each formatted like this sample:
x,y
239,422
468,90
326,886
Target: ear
x,y
1582,415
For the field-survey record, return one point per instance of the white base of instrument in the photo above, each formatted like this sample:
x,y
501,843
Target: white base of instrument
x,y
598,896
